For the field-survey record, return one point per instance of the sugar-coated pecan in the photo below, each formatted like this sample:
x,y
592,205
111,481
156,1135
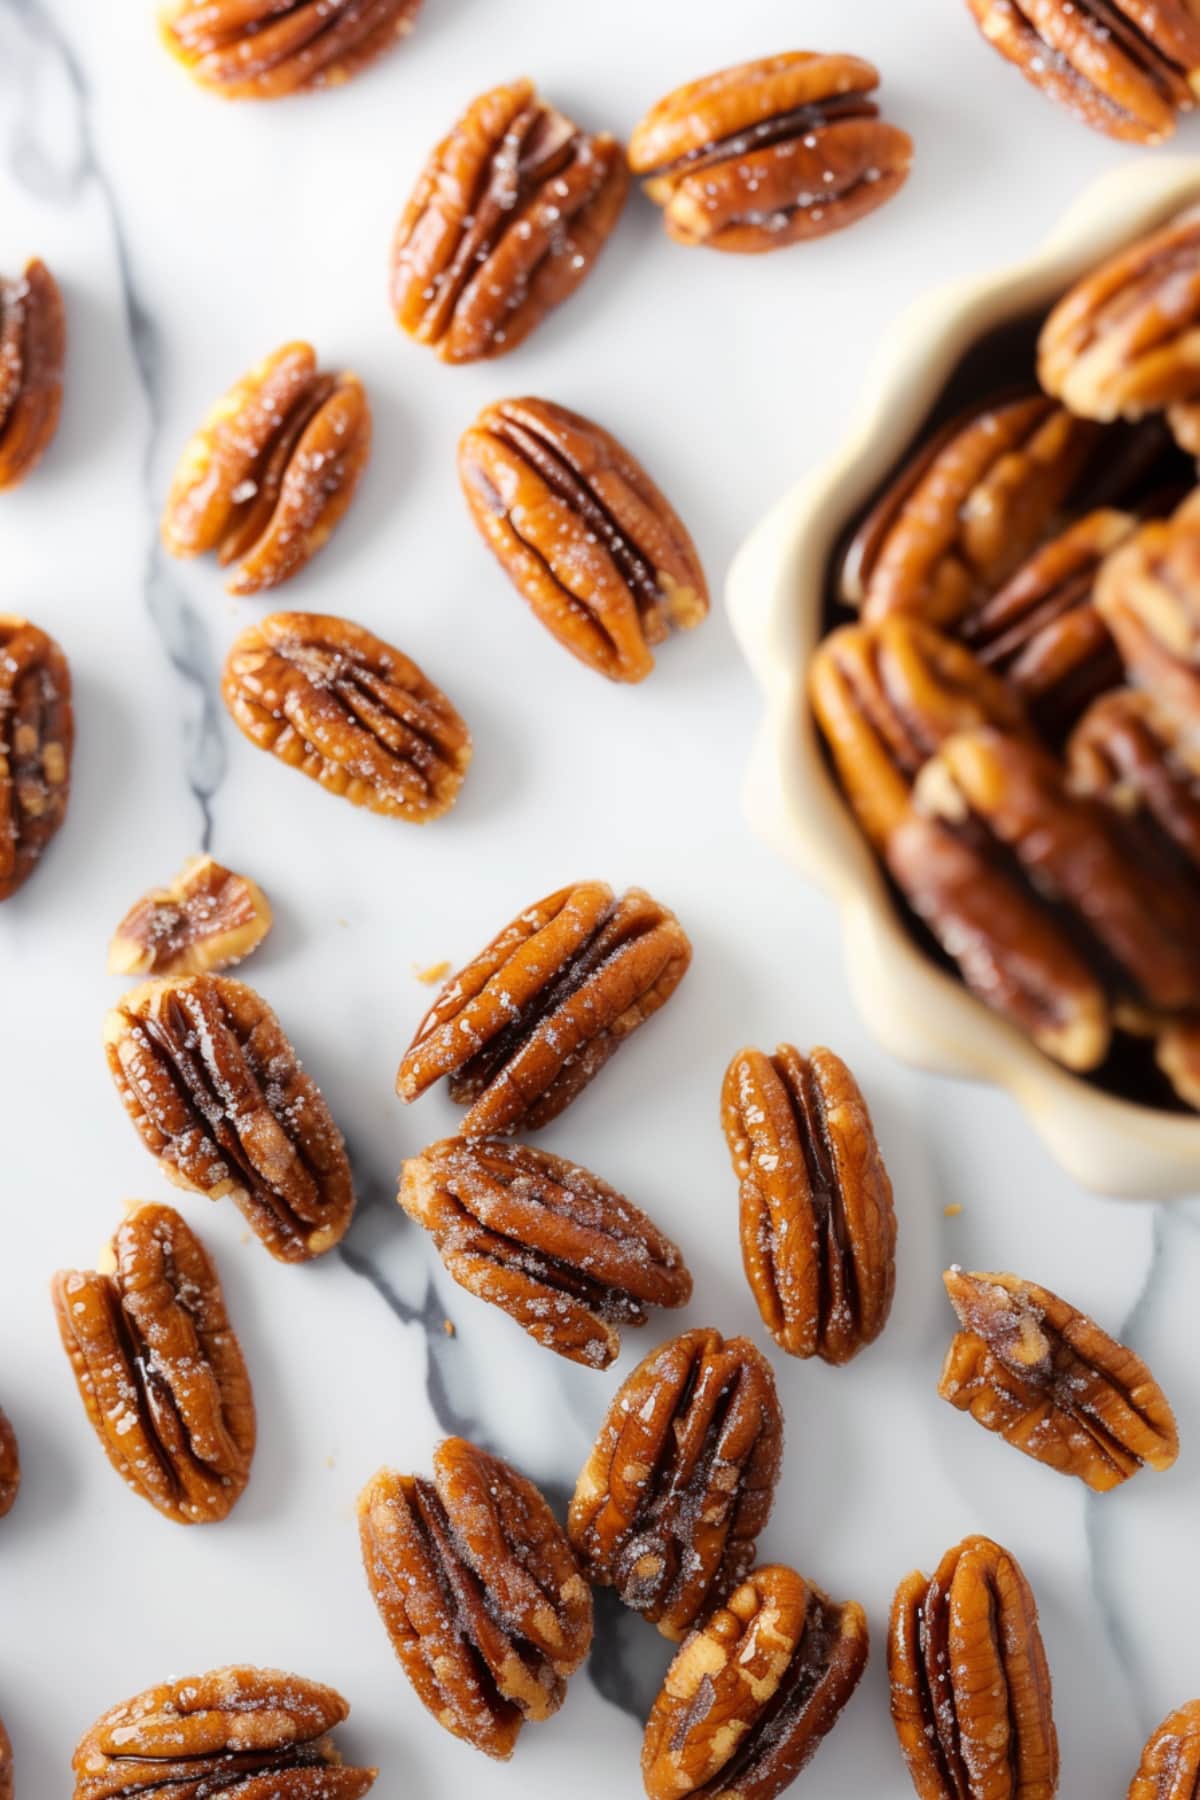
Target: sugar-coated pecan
x,y
37,737
350,711
1138,757
159,1368
524,1027
263,49
566,1255
970,1686
217,1094
966,511
241,1732
1170,1765
10,1464
507,219
817,1225
479,1591
1149,595
206,920
1046,1378
770,152
680,1481
271,471
753,1690
582,533
33,347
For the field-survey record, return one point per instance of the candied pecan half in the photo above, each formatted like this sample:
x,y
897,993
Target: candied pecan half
x,y
236,1731
753,1690
817,1225
966,511
770,153
479,1591
1136,756
507,219
33,348
350,711
1046,1378
37,737
971,1698
206,920
10,1464
681,1478
1170,1765
524,1027
217,1094
1148,592
582,533
271,470
263,49
159,1367
566,1255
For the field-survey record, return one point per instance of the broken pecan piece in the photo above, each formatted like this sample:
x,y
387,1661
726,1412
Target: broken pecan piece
x,y
206,920
33,347
817,1225
507,219
1149,595
1170,1764
237,1731
217,1094
582,533
969,507
350,711
970,1686
681,1478
1046,1378
753,1691
159,1368
10,1464
524,1027
479,1591
263,49
770,153
37,737
550,1243
271,471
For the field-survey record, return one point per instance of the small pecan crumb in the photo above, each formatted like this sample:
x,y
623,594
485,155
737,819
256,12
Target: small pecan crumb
x,y
432,973
206,920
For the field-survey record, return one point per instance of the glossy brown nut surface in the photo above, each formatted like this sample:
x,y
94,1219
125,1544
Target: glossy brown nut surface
x,y
159,1368
753,1691
1148,593
37,738
236,1731
507,219
570,1259
217,1095
1170,1765
6,1765
271,470
33,348
10,1464
582,533
818,1228
479,1591
970,1687
207,919
531,1020
680,1481
1139,758
1046,1378
264,49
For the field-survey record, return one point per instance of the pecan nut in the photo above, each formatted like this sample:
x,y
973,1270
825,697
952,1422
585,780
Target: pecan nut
x,y
1170,1764
10,1464
232,1731
6,1765
1177,1053
159,1368
582,533
507,219
33,348
818,1228
550,1243
970,1687
350,711
1149,595
206,920
217,1094
680,1481
770,153
37,737
754,1690
961,517
263,49
1046,1378
479,1591
1135,755
524,1027
271,470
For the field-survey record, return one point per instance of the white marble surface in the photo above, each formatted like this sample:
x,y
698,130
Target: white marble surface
x,y
190,238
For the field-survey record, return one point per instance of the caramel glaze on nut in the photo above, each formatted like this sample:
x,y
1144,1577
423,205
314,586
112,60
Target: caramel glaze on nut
x,y
770,153
10,1464
753,1690
1170,1763
1139,758
264,49
37,738
205,921
33,347
582,533
1148,593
